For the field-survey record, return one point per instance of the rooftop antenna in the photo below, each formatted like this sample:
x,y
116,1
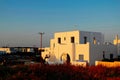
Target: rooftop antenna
x,y
75,26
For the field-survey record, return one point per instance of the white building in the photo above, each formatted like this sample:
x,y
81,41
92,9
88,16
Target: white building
x,y
78,46
116,41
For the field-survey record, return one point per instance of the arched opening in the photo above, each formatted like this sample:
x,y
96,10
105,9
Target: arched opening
x,y
65,58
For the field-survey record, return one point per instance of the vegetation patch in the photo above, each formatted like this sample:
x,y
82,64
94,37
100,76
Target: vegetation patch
x,y
58,72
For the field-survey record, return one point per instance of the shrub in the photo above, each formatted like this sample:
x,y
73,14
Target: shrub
x,y
58,72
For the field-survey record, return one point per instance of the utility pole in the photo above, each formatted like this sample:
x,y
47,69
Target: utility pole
x,y
40,51
41,34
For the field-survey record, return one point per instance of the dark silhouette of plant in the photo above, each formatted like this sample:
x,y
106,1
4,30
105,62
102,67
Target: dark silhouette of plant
x,y
58,72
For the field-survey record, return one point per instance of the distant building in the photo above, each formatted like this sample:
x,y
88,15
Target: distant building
x,y
5,50
22,49
79,46
116,41
8,50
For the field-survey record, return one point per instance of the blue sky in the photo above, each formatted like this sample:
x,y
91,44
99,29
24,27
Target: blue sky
x,y
21,20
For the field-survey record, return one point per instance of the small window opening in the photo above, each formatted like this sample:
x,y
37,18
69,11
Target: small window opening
x,y
72,39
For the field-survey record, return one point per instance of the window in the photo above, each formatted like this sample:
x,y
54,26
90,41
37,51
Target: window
x,y
59,40
85,40
81,57
72,39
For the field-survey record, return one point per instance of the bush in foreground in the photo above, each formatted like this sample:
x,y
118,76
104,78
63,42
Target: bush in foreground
x,y
59,72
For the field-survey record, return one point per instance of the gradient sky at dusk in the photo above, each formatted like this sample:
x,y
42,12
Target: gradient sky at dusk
x,y
21,20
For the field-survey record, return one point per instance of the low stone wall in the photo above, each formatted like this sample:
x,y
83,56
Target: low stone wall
x,y
108,64
78,63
